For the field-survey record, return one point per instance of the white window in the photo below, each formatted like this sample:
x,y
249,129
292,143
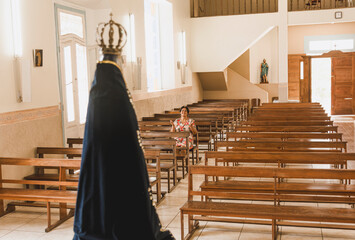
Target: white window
x,y
132,38
328,45
70,23
314,45
159,44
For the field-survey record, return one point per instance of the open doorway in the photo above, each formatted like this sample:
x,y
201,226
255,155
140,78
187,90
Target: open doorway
x,y
321,82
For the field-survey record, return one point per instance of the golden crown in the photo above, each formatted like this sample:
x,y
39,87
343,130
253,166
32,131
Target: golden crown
x,y
111,47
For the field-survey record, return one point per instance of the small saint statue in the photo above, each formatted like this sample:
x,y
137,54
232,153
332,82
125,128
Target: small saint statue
x,y
264,69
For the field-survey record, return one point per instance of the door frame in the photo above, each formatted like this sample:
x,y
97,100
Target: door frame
x,y
57,9
332,54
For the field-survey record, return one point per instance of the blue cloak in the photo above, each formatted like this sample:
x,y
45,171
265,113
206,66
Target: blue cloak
x,y
114,197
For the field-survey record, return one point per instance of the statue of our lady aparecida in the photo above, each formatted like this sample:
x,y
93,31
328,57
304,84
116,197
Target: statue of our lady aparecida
x,y
114,196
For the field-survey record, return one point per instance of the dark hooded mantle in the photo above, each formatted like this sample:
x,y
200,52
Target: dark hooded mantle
x,y
114,196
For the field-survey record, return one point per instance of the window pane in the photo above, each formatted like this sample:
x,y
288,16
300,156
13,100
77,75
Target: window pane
x,y
302,70
320,45
331,45
70,23
68,75
344,44
67,65
83,89
153,50
70,102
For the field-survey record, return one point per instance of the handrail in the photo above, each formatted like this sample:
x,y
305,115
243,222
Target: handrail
x,y
304,5
208,8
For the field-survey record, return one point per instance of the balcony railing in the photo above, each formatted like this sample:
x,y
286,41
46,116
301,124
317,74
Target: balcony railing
x,y
207,8
303,5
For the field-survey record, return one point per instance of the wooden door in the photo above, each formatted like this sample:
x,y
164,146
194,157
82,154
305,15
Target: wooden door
x,y
342,85
305,80
294,76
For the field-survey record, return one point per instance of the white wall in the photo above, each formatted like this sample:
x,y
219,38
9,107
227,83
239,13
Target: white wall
x,y
38,32
238,88
162,100
296,34
218,41
320,16
93,18
121,10
266,47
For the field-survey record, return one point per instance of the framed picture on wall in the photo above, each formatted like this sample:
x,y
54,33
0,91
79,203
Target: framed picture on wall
x,y
38,57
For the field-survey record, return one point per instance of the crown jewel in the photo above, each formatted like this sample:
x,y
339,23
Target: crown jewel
x,y
111,47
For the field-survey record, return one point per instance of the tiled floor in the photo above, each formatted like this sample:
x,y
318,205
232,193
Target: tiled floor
x,y
29,223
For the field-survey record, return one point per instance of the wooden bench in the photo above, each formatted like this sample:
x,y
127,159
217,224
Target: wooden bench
x,y
197,208
168,158
19,193
338,159
224,121
288,129
207,131
263,110
240,107
68,152
283,136
278,117
287,123
292,105
74,141
155,179
172,135
168,167
152,168
215,122
283,112
308,146
59,152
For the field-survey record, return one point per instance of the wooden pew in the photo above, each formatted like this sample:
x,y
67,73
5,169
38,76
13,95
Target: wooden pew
x,y
287,123
154,169
168,167
217,123
173,135
280,158
281,111
291,105
69,152
283,136
289,110
197,208
240,107
207,131
61,196
309,146
288,129
168,158
278,117
74,141
180,154
225,121
41,152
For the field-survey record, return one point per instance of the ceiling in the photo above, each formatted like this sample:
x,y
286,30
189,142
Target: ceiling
x,y
94,4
